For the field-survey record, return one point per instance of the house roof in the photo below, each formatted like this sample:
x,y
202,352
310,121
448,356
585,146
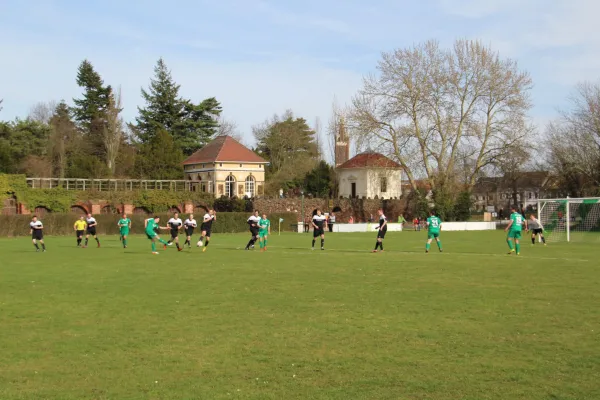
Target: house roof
x,y
369,160
526,180
224,149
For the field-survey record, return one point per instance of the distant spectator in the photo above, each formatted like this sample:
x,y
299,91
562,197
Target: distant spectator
x,y
416,223
351,220
281,193
401,220
331,221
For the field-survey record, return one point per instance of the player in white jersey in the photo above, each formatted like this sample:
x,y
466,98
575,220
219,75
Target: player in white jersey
x,y
91,229
536,228
175,224
37,233
319,223
206,228
189,225
253,221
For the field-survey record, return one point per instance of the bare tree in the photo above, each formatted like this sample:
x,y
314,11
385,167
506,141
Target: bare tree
x,y
229,128
43,111
113,132
433,110
573,141
1,100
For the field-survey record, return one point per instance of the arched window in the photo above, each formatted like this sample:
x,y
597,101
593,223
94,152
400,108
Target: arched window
x,y
230,186
250,186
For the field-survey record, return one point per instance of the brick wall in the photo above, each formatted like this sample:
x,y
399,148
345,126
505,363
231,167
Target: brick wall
x,y
360,209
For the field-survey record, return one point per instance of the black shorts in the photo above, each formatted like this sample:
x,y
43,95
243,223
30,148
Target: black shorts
x,y
189,231
206,232
174,233
37,234
79,233
254,231
538,231
381,233
318,232
91,231
205,227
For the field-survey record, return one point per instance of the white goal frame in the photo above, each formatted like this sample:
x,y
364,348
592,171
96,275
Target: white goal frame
x,y
567,201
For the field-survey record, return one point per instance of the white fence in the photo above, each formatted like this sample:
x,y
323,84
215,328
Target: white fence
x,y
394,227
109,184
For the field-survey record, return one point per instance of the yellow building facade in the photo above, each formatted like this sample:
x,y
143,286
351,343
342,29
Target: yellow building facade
x,y
225,167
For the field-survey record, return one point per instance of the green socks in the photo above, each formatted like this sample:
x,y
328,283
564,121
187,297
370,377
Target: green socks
x,y
265,242
153,247
518,245
125,242
260,243
163,241
427,246
510,244
439,243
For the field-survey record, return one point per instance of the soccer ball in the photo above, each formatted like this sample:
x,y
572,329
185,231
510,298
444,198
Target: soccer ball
x,y
199,244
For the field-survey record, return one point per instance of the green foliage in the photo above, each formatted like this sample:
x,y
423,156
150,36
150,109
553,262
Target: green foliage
x,y
20,139
94,103
444,204
462,207
160,158
191,125
418,203
62,223
226,204
319,181
59,200
289,145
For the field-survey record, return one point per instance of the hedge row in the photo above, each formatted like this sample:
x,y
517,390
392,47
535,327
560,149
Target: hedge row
x,y
62,224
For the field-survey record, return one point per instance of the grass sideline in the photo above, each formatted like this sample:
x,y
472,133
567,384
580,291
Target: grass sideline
x,y
470,323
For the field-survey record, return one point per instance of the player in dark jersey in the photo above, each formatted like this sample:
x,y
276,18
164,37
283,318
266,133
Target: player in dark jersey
x,y
175,224
37,233
206,227
319,223
253,221
189,225
381,230
91,229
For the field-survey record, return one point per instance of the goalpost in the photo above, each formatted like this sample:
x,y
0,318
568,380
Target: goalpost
x,y
570,219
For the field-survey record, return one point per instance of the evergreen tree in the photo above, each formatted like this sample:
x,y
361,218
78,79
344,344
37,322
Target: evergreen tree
x,y
90,110
190,125
62,139
160,158
288,143
95,99
319,181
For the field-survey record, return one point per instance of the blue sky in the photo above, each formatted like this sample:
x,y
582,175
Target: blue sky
x,y
263,57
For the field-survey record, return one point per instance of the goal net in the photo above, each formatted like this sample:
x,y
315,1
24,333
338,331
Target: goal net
x,y
570,219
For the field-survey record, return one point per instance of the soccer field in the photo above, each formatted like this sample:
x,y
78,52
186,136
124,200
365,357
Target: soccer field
x,y
469,323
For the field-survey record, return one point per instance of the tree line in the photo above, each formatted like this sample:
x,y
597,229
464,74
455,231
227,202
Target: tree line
x,y
452,116
449,116
88,138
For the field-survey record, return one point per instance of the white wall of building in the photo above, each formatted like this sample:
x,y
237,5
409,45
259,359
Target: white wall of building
x,y
369,182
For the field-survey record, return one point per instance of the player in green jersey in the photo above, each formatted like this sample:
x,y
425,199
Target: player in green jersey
x,y
264,230
150,226
434,226
124,225
514,229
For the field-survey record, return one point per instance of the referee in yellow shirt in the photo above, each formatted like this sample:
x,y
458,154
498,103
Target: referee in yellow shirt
x,y
79,228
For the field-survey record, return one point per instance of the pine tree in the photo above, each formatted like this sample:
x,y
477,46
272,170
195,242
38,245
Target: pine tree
x,y
191,125
62,139
90,111
160,158
164,108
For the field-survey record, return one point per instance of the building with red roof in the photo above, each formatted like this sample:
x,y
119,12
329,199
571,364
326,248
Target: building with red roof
x,y
225,167
370,174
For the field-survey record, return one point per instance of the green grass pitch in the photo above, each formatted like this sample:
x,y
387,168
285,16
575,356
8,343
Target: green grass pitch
x,y
469,323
